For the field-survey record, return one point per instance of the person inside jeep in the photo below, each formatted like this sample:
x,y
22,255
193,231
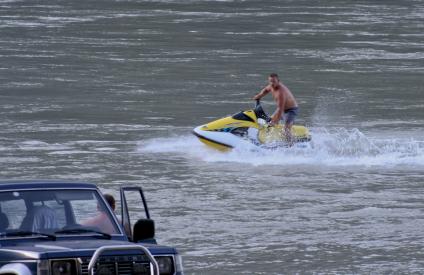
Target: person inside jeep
x,y
101,220
110,200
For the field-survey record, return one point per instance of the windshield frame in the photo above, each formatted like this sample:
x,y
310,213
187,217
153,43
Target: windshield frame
x,y
99,196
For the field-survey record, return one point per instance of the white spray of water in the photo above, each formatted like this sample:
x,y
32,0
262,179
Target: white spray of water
x,y
336,147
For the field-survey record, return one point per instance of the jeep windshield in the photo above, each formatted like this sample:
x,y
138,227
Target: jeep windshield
x,y
43,213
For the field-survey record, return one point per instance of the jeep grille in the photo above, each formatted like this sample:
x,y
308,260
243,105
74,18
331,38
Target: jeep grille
x,y
120,265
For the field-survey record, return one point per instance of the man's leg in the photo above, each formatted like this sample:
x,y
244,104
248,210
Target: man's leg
x,y
289,121
288,133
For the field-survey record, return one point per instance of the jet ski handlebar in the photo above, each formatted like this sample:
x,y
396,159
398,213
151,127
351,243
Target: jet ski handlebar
x,y
258,102
259,111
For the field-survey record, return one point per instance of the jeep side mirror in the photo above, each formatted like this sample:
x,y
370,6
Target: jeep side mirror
x,y
144,229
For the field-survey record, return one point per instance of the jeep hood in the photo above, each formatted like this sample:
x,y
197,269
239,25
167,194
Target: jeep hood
x,y
70,249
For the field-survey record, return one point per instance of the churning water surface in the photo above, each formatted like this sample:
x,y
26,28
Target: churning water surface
x,y
109,91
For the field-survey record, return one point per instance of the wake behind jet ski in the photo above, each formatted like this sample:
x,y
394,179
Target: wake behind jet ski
x,y
249,127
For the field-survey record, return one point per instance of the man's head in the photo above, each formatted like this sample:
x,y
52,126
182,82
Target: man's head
x,y
110,200
273,80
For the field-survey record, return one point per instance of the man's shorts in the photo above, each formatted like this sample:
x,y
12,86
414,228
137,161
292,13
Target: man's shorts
x,y
290,115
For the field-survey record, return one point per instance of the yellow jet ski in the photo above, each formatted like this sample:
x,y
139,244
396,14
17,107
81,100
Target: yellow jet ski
x,y
248,127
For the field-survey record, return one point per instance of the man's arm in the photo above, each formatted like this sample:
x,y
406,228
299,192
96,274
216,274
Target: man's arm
x,y
261,94
281,102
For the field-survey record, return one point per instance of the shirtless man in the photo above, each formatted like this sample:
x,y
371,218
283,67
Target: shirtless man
x,y
286,103
102,220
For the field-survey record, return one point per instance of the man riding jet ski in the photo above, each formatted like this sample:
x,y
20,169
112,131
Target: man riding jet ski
x,y
286,103
255,126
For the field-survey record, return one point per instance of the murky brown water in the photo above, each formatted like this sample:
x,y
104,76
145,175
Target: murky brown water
x,y
108,92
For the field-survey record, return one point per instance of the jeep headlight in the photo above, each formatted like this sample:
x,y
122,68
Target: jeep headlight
x,y
43,267
166,265
63,267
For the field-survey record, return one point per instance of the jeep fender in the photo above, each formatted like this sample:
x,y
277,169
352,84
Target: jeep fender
x,y
15,269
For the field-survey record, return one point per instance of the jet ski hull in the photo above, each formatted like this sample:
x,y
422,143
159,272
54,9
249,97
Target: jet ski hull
x,y
209,141
220,140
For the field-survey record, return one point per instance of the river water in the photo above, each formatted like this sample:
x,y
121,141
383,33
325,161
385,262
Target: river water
x,y
109,91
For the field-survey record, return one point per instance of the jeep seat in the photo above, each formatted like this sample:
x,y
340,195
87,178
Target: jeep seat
x,y
40,218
